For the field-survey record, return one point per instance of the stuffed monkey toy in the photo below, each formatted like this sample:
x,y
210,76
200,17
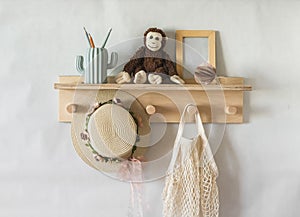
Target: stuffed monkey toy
x,y
150,62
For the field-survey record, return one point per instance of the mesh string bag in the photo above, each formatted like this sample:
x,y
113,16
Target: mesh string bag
x,y
190,187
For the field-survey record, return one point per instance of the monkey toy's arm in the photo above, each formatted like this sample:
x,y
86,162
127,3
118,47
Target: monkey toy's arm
x,y
170,68
169,65
135,63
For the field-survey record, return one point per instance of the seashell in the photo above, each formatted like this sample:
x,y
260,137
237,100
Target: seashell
x,y
205,73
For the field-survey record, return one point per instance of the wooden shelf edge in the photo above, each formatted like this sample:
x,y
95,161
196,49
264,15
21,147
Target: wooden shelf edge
x,y
226,83
153,87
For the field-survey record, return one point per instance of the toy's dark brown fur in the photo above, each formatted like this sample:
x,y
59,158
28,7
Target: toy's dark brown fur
x,y
150,61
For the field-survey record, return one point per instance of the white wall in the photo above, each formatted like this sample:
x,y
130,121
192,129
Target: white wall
x,y
40,174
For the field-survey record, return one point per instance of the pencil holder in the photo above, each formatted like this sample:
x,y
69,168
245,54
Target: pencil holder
x,y
96,65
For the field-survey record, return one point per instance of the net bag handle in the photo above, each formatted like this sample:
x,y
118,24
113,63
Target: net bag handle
x,y
200,131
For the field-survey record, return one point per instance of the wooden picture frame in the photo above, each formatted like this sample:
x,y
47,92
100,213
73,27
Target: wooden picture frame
x,y
181,35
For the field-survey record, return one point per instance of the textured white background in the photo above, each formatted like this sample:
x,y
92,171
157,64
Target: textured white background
x,y
40,174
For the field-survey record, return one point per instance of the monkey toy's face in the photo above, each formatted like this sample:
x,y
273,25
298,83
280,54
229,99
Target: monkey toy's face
x,y
153,41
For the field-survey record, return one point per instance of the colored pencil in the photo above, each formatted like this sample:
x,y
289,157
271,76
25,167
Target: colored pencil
x,y
87,36
107,38
91,41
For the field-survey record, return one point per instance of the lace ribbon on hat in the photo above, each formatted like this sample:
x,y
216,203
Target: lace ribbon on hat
x,y
131,170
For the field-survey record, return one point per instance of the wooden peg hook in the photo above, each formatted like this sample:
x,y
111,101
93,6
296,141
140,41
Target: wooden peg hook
x,y
150,109
71,108
231,110
192,110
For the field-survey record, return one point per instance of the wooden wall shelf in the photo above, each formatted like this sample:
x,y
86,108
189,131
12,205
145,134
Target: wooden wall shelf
x,y
217,103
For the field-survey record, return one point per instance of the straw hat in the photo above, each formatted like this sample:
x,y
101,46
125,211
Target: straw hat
x,y
109,128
